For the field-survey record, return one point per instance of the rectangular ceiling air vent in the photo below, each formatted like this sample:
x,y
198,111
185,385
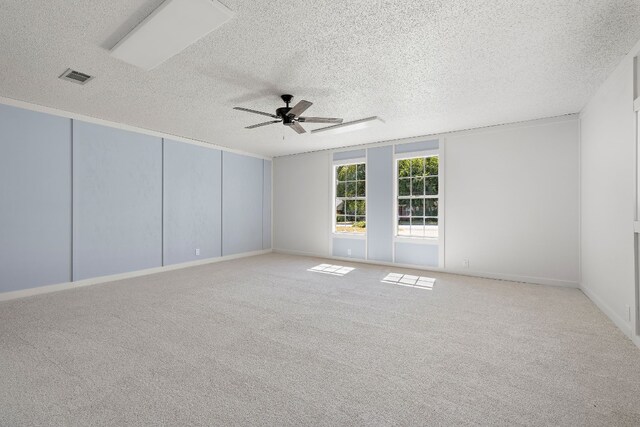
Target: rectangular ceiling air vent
x,y
75,76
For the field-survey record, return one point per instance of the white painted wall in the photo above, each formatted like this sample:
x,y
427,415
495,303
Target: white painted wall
x,y
607,196
511,202
301,203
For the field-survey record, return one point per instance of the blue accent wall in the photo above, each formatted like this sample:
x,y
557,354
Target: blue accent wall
x,y
242,189
417,146
81,200
421,254
346,155
192,202
117,201
380,215
35,199
266,205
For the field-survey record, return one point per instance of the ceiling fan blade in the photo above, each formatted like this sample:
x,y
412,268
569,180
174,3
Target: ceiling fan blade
x,y
262,124
262,113
319,120
296,126
299,108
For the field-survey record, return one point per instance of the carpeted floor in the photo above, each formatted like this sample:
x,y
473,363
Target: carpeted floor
x,y
263,341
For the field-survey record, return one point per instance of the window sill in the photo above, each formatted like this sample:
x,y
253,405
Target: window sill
x,y
417,240
350,235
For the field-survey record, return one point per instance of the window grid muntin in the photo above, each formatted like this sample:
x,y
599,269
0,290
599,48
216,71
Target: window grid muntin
x,y
406,189
358,198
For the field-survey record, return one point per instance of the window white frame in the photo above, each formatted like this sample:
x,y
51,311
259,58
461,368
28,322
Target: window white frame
x,y
418,239
334,167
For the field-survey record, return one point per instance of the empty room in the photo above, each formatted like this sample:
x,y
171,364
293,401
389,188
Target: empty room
x,y
359,213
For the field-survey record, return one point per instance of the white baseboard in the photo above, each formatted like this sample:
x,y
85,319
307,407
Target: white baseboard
x,y
480,274
5,296
299,253
517,278
622,324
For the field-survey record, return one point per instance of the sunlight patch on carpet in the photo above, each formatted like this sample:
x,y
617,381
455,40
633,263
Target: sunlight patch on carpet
x,y
335,270
400,279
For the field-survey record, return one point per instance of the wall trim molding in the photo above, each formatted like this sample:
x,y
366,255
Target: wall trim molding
x,y
75,116
6,296
500,127
479,274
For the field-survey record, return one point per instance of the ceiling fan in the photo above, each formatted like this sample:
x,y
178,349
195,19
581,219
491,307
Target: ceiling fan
x,y
290,116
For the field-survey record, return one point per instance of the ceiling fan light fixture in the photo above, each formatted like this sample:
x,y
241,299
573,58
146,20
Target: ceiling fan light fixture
x,y
351,126
171,28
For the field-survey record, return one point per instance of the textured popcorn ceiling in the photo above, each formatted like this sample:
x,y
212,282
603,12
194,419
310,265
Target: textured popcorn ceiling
x,y
423,66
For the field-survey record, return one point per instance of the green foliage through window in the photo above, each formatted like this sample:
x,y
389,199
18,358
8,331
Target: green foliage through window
x,y
351,205
418,197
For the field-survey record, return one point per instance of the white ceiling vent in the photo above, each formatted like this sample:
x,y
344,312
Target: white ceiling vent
x,y
75,76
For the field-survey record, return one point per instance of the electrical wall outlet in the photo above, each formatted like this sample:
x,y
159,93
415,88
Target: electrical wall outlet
x,y
349,252
465,263
197,252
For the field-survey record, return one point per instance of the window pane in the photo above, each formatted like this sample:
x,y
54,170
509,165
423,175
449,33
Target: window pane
x,y
431,166
340,206
351,189
361,207
340,188
418,197
351,207
361,188
341,173
404,208
404,187
417,167
339,219
417,227
417,186
404,168
431,227
350,219
361,172
404,227
351,172
431,186
431,207
417,207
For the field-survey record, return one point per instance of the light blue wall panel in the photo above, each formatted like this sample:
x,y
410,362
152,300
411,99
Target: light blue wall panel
x,y
417,146
345,155
341,248
117,201
417,254
242,190
380,204
192,202
266,206
35,199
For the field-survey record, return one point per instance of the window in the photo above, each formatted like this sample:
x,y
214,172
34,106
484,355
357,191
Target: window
x,y
350,196
418,197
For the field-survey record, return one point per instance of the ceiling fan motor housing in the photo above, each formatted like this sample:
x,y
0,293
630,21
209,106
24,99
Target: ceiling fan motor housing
x,y
282,111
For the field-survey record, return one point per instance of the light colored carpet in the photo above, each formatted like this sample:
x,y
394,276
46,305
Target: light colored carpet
x,y
262,341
